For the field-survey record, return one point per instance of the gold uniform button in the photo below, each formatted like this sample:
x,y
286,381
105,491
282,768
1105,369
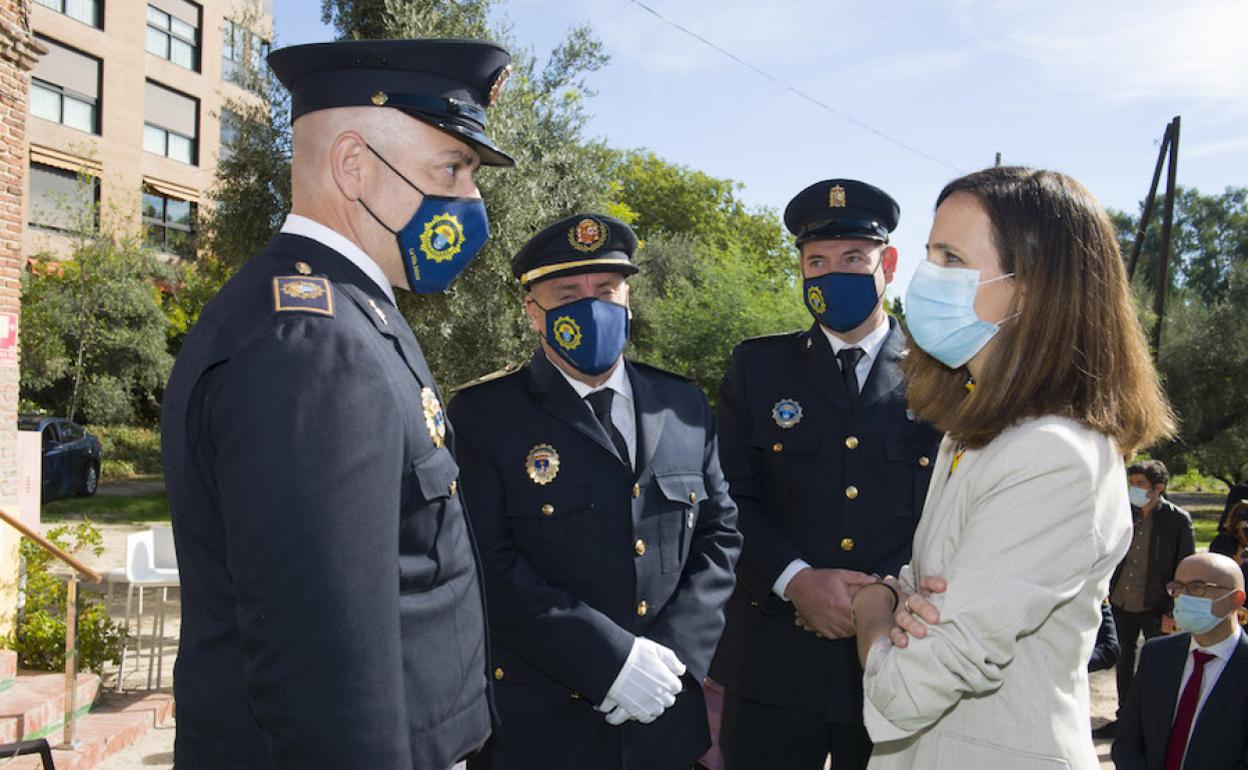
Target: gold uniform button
x,y
636,490
693,497
851,492
303,268
851,442
925,461
642,609
548,509
777,447
576,696
498,674
640,547
847,544
454,486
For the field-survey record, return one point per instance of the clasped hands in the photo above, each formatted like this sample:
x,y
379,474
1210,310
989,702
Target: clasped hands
x,y
826,600
647,684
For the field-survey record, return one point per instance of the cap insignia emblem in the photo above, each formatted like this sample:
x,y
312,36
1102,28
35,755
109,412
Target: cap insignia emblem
x,y
435,421
814,298
542,464
380,98
499,80
442,238
588,235
787,412
567,333
836,197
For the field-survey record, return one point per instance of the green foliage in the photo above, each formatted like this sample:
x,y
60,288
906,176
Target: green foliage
x,y
93,336
128,450
1192,480
40,636
110,509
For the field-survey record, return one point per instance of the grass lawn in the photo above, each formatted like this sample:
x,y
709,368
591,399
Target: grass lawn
x,y
109,509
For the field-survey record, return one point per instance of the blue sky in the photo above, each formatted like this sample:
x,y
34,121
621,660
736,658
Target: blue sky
x,y
1081,87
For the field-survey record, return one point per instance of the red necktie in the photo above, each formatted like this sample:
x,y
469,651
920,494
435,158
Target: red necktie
x,y
1186,713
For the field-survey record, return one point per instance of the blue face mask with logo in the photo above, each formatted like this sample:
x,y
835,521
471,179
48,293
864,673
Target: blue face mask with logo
x,y
440,238
841,301
1194,614
940,313
589,333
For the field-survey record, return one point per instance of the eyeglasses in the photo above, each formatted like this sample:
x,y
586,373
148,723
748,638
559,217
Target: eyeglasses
x,y
1198,588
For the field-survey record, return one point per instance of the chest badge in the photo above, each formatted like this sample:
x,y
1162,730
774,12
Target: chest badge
x,y
542,464
435,420
787,412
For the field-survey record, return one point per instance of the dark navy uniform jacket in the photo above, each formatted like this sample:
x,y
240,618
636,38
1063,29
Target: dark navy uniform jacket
x,y
577,567
332,610
841,488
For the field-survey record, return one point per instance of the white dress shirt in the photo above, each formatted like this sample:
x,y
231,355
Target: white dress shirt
x,y
310,228
623,414
870,346
1221,652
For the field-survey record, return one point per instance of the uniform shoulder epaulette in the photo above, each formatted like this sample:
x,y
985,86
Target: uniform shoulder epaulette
x,y
302,294
492,376
764,339
658,370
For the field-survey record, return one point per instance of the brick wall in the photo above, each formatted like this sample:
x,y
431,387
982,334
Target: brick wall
x,y
18,52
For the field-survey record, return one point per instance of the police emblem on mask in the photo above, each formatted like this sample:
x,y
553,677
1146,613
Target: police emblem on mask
x,y
815,297
836,197
588,235
787,412
442,238
542,464
435,420
567,333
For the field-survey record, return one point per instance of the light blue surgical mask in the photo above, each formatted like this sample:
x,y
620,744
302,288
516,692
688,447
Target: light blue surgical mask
x,y
1194,614
1138,495
940,313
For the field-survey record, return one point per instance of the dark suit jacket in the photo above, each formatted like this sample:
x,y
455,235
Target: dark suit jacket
x,y
1219,738
580,565
1105,653
1173,540
792,486
331,604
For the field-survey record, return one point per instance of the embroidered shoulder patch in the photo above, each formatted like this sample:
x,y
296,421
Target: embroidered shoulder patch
x,y
303,293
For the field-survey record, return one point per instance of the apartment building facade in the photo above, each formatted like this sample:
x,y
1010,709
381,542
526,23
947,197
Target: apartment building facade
x,y
131,97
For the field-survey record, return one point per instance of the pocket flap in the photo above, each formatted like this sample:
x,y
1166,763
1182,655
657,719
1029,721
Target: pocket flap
x,y
789,441
900,450
435,472
686,488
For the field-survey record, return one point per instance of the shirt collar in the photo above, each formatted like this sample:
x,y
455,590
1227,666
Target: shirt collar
x,y
869,344
310,228
618,381
1223,649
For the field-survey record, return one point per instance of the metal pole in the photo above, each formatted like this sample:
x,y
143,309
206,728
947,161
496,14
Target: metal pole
x,y
1167,222
998,161
1147,214
71,660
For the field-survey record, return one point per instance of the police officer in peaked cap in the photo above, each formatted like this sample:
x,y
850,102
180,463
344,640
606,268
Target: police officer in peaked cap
x,y
607,534
829,472
331,600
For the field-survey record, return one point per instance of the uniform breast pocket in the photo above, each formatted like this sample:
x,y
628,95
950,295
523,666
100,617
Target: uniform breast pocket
x,y
792,466
429,483
909,469
682,497
548,523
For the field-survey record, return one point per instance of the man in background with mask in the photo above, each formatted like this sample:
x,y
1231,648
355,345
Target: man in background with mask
x,y
829,472
1189,703
1163,536
607,534
332,608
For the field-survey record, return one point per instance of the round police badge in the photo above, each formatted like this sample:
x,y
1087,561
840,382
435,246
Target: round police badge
x,y
442,238
787,412
435,420
567,333
542,464
815,298
588,235
303,290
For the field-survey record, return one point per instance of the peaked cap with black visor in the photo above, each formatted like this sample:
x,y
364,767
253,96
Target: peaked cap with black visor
x,y
447,84
581,243
841,208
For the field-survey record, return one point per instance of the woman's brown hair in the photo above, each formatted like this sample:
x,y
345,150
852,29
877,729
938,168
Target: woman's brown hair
x,y
1075,349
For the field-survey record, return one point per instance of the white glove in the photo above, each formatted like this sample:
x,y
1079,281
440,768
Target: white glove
x,y
646,685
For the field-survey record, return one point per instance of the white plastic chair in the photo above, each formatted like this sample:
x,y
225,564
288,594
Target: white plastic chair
x,y
151,562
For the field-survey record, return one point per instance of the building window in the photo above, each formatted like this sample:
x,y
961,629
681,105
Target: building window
x,y
169,224
171,123
85,11
65,88
229,133
242,51
173,32
62,200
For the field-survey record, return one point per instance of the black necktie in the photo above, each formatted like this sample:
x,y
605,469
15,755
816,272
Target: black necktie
x,y
849,358
600,402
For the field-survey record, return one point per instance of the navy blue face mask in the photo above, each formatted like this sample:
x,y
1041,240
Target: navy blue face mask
x,y
440,239
589,333
841,301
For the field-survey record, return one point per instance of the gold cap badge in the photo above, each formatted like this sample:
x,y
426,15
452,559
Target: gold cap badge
x,y
499,80
588,235
380,98
836,197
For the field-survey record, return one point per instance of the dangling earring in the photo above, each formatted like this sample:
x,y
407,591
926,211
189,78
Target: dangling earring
x,y
970,385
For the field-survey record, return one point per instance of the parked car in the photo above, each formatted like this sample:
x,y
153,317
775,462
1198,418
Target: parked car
x,y
71,456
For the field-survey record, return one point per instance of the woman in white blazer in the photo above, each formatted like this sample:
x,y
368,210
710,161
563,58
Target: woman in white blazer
x,y
1030,358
